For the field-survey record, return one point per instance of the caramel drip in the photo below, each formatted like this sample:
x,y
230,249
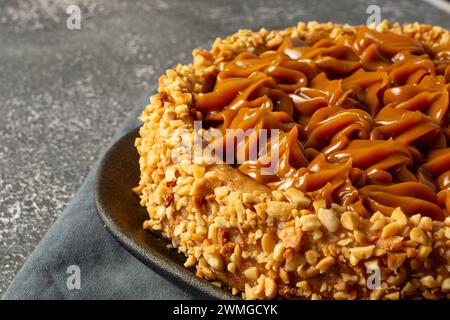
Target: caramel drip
x,y
363,121
332,128
435,172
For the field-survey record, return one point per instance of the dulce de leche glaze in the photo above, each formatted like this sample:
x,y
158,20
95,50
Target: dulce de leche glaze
x,y
363,121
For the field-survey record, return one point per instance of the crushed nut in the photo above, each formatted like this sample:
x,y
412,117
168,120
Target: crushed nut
x,y
310,222
214,260
395,260
341,295
278,251
268,243
328,219
349,220
362,253
399,217
424,252
221,192
190,261
445,287
393,296
325,264
279,209
297,198
270,288
428,281
390,230
312,256
319,203
416,234
251,273
231,267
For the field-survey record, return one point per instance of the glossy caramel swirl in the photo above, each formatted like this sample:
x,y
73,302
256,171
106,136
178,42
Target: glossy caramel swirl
x,y
363,121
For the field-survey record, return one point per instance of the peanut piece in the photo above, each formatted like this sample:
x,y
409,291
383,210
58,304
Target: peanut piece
x,y
328,219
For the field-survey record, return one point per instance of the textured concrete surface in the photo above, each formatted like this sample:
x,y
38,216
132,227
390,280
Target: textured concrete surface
x,y
64,92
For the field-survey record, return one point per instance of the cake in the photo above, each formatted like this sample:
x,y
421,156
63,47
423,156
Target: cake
x,y
306,163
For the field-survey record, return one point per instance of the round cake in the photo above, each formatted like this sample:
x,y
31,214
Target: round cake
x,y
307,163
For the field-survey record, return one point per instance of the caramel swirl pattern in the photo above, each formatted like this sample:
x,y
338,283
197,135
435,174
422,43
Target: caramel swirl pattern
x,y
363,121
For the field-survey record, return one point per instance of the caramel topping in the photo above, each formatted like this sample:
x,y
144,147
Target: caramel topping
x,y
363,121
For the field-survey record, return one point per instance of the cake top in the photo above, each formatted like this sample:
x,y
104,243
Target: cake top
x,y
360,120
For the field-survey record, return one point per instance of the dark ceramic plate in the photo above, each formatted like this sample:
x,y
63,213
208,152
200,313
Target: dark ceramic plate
x,y
123,216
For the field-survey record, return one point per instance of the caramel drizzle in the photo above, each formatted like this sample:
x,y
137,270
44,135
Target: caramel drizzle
x,y
363,120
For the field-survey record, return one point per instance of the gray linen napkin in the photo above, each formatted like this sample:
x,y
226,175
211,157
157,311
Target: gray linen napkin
x,y
78,238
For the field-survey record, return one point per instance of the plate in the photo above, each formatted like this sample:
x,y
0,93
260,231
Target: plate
x,y
123,216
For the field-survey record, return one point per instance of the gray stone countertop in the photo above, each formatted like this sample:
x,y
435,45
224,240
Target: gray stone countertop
x,y
64,92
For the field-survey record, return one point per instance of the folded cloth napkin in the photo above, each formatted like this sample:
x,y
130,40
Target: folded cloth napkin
x,y
107,271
